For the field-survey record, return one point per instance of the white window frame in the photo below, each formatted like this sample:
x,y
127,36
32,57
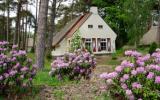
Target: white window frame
x,y
103,40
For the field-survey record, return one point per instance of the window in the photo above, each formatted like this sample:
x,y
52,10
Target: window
x,y
100,26
90,26
103,44
88,44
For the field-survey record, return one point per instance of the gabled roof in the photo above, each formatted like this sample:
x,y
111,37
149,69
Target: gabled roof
x,y
70,29
151,36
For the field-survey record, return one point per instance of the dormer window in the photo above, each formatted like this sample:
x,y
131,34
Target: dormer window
x,y
90,26
100,26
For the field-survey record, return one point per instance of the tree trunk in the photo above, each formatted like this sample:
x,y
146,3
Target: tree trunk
x,y
17,34
8,14
52,27
159,23
42,28
35,30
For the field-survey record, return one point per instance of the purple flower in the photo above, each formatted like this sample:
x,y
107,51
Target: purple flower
x,y
136,85
14,46
140,70
140,63
126,63
128,53
150,75
12,73
24,69
109,75
118,68
6,75
30,79
104,75
134,72
128,93
122,79
126,76
131,97
124,86
157,79
1,77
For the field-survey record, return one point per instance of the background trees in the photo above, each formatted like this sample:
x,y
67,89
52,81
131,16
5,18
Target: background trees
x,y
130,19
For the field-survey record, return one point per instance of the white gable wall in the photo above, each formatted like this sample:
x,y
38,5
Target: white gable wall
x,y
95,32
61,49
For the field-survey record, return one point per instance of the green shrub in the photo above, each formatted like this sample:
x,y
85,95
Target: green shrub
x,y
152,47
114,56
49,56
75,42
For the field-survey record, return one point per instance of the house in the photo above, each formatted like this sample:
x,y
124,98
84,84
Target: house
x,y
93,30
152,34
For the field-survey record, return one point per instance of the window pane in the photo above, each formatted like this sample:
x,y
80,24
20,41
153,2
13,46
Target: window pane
x,y
90,26
100,26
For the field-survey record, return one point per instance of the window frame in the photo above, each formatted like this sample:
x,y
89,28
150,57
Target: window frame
x,y
104,42
100,26
90,26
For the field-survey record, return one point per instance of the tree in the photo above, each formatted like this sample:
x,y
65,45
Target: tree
x,y
42,29
76,42
51,32
138,13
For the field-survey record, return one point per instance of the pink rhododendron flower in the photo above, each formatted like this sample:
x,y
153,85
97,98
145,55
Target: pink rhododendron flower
x,y
124,86
136,85
140,70
131,97
104,75
1,77
157,79
126,76
126,63
134,72
118,68
128,93
140,63
150,75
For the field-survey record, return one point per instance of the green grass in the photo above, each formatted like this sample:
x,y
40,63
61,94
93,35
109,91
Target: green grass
x,y
113,62
59,94
43,78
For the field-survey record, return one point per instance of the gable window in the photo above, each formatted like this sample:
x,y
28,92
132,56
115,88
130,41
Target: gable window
x,y
90,26
100,26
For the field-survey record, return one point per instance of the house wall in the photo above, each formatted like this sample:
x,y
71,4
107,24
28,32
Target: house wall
x,y
61,49
95,32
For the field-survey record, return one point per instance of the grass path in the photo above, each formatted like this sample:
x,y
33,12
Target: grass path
x,y
83,90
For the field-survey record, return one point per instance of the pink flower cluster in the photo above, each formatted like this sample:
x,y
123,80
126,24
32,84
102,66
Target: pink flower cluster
x,y
14,65
137,73
80,63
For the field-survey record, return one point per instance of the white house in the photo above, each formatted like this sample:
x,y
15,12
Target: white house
x,y
93,30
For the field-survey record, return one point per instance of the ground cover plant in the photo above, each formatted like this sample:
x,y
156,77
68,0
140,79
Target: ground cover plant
x,y
137,77
73,65
16,69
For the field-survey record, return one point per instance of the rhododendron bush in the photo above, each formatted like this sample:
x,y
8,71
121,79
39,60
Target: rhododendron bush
x,y
73,65
15,68
137,78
